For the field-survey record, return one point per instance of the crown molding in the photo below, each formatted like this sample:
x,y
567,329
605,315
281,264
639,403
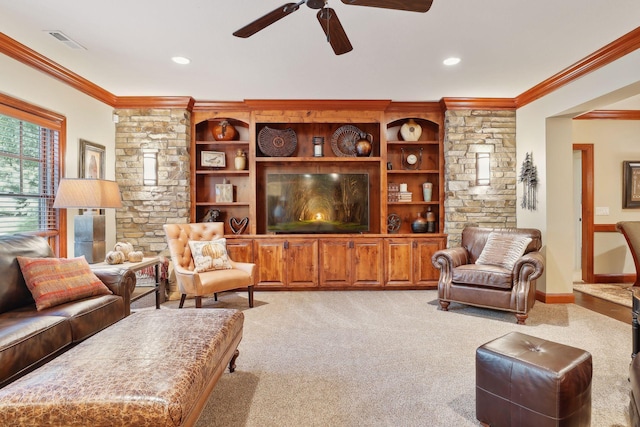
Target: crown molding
x,y
606,55
401,106
478,104
22,53
610,115
220,106
317,104
182,102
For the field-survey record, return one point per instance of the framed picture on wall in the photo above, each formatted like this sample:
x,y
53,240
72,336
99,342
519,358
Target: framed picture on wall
x,y
631,184
91,160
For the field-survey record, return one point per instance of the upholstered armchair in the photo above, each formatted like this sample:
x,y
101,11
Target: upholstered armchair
x,y
493,268
212,270
631,232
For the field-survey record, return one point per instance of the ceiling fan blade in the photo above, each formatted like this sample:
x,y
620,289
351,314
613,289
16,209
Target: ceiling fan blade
x,y
266,20
408,5
332,27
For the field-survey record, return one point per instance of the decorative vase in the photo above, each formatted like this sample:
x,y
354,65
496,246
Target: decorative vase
x,y
411,130
431,221
419,225
364,145
223,131
427,189
240,162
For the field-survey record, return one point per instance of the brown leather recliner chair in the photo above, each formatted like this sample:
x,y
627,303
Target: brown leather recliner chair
x,y
463,280
631,232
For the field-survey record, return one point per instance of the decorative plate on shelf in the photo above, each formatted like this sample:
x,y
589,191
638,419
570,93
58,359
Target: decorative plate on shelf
x,y
277,142
343,141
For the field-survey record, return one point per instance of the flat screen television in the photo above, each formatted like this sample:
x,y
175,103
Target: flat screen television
x,y
318,203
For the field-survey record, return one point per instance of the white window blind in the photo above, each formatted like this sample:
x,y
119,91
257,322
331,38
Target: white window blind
x,y
29,176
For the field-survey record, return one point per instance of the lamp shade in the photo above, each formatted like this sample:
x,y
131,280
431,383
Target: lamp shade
x,y
87,194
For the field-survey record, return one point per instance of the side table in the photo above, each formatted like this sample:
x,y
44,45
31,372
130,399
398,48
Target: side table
x,y
160,281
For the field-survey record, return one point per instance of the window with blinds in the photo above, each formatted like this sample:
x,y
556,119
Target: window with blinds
x,y
29,176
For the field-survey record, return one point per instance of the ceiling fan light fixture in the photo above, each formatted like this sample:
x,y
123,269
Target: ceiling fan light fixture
x,y
330,23
316,4
181,60
451,61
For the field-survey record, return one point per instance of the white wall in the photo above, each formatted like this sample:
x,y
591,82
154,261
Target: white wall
x,y
545,128
87,119
614,141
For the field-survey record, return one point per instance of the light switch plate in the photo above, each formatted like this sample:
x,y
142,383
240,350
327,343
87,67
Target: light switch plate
x,y
602,210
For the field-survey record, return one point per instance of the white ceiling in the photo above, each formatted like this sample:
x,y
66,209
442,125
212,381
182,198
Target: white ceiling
x,y
506,46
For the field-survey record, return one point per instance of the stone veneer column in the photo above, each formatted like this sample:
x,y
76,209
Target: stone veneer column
x,y
468,132
146,208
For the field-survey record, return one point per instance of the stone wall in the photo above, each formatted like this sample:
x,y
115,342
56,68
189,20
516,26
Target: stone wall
x,y
468,132
146,208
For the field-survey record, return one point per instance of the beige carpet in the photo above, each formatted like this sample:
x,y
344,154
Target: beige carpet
x,y
391,358
614,292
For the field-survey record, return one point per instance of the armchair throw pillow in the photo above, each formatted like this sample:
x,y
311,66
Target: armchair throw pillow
x,y
503,250
54,281
210,255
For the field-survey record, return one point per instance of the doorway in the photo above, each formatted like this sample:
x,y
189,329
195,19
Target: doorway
x,y
583,204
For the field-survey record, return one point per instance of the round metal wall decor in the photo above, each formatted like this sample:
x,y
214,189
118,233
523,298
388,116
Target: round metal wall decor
x,y
393,223
277,142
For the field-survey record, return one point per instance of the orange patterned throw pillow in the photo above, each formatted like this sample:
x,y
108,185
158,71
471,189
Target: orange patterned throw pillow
x,y
210,255
54,281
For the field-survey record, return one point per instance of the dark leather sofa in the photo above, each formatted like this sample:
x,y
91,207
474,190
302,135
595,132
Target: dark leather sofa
x,y
28,337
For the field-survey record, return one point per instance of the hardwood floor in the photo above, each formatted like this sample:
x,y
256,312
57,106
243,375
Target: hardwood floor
x,y
608,308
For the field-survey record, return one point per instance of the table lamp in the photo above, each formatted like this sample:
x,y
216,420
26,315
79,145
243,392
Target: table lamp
x,y
89,228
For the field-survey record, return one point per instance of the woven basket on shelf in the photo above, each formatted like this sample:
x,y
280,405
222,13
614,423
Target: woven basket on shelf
x,y
276,142
343,140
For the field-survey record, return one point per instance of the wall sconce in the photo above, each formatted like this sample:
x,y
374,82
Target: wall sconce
x,y
483,169
89,228
149,167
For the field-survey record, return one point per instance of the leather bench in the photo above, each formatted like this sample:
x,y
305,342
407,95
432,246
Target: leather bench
x,y
153,368
528,381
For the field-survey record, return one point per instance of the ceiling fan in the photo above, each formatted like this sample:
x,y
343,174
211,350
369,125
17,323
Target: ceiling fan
x,y
328,19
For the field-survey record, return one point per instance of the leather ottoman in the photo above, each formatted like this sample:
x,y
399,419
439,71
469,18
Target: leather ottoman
x,y
524,381
153,368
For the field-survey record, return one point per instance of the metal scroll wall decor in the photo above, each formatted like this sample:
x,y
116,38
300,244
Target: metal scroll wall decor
x,y
529,179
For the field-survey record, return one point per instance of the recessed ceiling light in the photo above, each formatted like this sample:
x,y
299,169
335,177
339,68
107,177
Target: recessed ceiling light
x,y
181,60
451,61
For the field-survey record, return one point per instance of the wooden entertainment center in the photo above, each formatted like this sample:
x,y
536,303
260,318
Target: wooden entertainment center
x,y
382,257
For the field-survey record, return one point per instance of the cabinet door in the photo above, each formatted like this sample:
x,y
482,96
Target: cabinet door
x,y
398,262
270,262
425,273
240,250
335,262
302,262
366,262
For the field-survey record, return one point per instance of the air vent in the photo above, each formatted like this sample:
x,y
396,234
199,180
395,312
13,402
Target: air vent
x,y
60,36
